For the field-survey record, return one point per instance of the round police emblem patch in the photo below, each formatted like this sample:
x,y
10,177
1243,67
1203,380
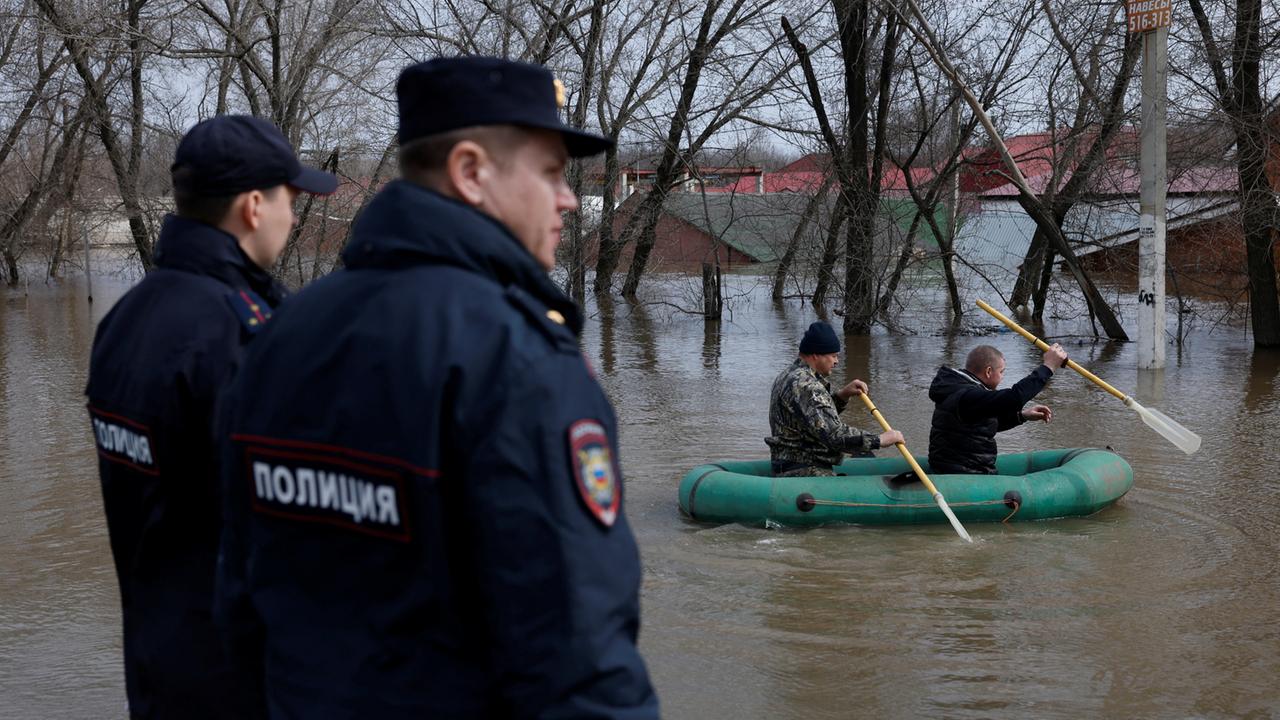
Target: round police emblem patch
x,y
594,470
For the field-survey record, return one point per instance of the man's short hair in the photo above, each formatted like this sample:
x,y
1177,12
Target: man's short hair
x,y
982,357
208,209
426,156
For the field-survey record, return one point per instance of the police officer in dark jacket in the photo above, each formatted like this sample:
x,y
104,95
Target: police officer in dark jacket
x,y
969,410
425,512
160,359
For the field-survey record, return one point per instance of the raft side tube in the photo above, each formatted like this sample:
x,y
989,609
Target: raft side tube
x,y
1047,483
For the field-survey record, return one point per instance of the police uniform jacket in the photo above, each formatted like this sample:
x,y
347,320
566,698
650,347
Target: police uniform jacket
x,y
967,415
160,358
425,503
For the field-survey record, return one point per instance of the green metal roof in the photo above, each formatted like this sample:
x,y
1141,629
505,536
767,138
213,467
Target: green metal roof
x,y
761,225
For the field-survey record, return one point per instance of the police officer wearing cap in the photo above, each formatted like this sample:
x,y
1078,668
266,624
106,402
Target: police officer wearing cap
x,y
160,358
425,512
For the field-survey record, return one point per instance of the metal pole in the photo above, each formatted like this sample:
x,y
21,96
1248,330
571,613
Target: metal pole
x,y
1151,255
88,271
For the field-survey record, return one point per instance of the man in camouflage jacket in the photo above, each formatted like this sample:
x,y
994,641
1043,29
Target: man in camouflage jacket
x,y
808,436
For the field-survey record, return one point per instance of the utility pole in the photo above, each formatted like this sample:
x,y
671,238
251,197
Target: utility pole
x,y
1152,19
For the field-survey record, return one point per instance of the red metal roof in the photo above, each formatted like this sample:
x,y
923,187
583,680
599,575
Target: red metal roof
x,y
982,170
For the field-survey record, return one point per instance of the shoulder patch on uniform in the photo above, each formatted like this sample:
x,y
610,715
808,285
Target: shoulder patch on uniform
x,y
253,311
594,470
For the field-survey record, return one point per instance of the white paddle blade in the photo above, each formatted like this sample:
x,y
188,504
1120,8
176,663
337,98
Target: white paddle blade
x,y
946,510
1187,441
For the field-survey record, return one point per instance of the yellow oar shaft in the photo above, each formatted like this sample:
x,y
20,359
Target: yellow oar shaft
x,y
937,496
902,448
1045,346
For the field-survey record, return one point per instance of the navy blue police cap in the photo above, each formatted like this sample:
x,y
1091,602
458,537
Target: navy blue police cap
x,y
231,154
446,94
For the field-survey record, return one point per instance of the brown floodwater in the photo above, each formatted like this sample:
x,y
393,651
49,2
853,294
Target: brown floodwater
x,y
1164,605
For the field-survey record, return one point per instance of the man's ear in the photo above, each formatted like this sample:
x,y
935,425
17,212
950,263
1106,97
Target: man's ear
x,y
243,215
468,169
247,209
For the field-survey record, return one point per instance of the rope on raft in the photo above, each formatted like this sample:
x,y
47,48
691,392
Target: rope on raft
x,y
840,503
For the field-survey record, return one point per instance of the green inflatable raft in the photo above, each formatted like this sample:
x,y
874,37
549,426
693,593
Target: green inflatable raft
x,y
880,491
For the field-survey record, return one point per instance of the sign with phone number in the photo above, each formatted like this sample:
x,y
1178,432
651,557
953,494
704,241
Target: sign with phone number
x,y
1148,15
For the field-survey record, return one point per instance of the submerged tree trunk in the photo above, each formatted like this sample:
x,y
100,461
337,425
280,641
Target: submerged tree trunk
x,y
1257,201
16,224
712,294
71,179
1258,206
1031,266
1241,99
810,211
904,257
12,275
577,280
608,249
863,197
826,267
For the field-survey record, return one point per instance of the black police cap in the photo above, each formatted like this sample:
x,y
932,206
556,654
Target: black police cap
x,y
230,154
451,93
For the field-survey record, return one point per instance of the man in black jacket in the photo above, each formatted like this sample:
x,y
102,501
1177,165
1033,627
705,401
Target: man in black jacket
x,y
160,359
426,516
969,410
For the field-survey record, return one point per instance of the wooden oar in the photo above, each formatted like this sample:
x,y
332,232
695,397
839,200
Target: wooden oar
x,y
1187,441
928,484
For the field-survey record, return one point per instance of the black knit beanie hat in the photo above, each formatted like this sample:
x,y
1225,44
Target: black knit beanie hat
x,y
819,339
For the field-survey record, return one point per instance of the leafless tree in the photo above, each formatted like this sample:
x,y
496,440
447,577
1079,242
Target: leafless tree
x,y
1250,115
42,127
857,165
116,48
587,48
639,58
737,87
1030,202
1089,46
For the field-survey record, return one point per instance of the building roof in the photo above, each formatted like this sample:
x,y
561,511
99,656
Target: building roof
x,y
982,171
809,181
813,162
756,225
1122,179
761,225
994,240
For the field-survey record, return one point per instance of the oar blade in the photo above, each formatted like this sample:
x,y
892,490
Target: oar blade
x,y
1185,440
955,523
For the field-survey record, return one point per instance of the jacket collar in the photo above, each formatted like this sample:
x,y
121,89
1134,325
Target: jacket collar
x,y
409,224
800,364
968,376
195,247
